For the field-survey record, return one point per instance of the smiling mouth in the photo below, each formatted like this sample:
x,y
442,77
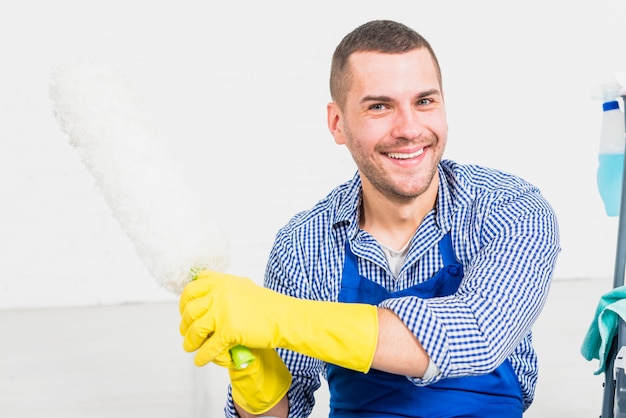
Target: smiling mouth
x,y
403,156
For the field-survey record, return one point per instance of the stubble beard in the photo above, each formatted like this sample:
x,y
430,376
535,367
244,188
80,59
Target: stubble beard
x,y
403,190
402,187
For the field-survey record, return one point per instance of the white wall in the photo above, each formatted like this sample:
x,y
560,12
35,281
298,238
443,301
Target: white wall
x,y
239,89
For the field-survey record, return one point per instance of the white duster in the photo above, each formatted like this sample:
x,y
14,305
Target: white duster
x,y
101,114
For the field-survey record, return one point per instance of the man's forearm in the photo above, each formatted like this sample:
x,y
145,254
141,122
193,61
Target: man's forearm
x,y
281,410
398,351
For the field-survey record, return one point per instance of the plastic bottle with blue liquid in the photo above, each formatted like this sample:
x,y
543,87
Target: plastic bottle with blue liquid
x,y
611,157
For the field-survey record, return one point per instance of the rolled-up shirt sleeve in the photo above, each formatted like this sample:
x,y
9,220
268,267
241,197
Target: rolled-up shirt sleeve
x,y
505,285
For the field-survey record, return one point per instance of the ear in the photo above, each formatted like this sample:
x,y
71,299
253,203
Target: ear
x,y
335,123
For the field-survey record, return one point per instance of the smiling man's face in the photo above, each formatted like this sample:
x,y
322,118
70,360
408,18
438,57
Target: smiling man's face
x,y
393,122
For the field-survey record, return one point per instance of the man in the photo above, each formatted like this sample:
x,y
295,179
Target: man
x,y
413,286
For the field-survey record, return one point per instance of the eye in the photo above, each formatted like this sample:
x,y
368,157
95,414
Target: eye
x,y
378,106
424,102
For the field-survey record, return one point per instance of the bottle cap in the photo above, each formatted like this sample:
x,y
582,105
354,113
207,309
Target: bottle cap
x,y
612,105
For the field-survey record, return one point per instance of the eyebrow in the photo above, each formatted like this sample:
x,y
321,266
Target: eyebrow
x,y
429,93
389,99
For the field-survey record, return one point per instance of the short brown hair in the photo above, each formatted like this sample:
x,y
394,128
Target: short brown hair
x,y
380,36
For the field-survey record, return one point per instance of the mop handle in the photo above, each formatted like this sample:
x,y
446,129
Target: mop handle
x,y
241,356
620,256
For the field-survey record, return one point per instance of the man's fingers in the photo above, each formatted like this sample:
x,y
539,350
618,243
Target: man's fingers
x,y
194,311
213,350
197,332
194,290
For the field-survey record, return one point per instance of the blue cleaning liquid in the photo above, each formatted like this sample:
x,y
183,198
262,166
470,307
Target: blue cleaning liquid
x,y
610,181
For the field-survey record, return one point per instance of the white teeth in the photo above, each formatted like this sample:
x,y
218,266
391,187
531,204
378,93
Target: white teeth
x,y
401,156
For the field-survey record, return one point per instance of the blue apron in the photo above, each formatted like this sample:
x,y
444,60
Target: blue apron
x,y
378,394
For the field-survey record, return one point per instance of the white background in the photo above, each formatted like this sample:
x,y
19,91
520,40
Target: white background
x,y
238,91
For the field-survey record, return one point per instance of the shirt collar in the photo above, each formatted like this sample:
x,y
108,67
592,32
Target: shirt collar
x,y
443,207
350,204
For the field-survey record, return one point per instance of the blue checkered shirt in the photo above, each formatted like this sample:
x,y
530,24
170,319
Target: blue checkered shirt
x,y
503,232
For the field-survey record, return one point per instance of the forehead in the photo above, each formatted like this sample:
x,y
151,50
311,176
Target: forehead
x,y
382,73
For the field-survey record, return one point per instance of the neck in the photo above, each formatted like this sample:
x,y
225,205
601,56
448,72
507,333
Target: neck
x,y
394,222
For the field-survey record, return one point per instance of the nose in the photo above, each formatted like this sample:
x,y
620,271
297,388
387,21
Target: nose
x,y
408,124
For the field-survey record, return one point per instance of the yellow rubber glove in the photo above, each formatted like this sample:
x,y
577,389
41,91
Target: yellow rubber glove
x,y
220,311
262,384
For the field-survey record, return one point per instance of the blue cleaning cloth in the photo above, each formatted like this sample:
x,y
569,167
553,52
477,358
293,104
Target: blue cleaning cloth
x,y
597,342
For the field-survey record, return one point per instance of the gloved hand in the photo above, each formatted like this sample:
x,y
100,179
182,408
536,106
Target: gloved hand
x,y
220,311
262,384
